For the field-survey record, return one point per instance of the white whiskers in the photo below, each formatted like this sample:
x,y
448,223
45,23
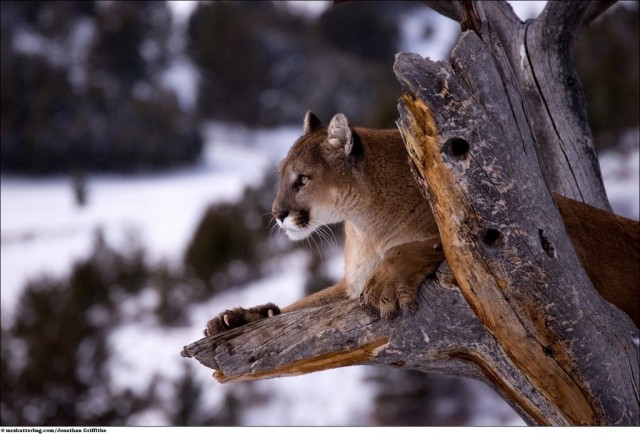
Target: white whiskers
x,y
273,226
324,232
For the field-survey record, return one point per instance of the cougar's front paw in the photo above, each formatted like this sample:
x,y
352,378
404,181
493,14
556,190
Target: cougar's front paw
x,y
234,318
389,297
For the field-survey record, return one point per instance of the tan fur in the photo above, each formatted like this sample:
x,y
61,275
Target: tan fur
x,y
608,247
392,241
362,177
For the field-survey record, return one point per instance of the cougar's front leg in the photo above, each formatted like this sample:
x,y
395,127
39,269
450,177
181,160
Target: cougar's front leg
x,y
328,295
394,284
233,318
239,316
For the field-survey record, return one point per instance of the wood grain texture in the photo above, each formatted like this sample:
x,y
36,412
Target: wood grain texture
x,y
534,59
490,205
444,336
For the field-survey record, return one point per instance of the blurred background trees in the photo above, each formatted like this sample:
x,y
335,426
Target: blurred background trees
x,y
609,73
84,90
269,72
81,89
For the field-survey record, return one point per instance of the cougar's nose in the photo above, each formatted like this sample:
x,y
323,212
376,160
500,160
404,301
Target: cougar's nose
x,y
280,215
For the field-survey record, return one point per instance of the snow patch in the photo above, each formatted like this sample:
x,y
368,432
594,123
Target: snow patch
x,y
427,33
621,175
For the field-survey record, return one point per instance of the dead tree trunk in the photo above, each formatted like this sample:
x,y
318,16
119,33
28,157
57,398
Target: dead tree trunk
x,y
490,133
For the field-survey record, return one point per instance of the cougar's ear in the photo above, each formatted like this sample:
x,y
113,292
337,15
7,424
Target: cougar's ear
x,y
340,135
312,122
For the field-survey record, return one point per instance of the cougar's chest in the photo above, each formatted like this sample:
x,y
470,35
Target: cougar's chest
x,y
357,273
361,260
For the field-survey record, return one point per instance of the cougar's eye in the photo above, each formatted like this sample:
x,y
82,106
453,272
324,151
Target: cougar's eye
x,y
303,180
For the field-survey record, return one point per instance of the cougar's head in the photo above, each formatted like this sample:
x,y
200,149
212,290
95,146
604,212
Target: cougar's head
x,y
318,177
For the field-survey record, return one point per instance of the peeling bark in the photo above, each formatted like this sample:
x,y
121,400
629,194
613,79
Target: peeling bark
x,y
491,202
444,336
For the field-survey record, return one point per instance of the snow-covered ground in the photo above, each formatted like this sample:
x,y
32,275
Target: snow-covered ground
x,y
621,174
43,230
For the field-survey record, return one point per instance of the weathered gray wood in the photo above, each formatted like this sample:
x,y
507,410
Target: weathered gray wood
x,y
535,61
492,207
560,123
444,336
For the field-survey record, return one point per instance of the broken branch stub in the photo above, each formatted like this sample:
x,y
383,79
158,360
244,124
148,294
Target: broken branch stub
x,y
343,334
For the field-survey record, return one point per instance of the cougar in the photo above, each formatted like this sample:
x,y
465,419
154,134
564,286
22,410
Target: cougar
x,y
362,177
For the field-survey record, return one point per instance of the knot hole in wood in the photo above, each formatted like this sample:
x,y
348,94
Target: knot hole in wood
x,y
491,237
457,147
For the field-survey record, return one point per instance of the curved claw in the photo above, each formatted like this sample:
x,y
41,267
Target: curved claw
x,y
237,317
